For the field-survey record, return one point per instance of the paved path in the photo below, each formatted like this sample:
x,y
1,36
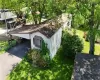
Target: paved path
x,y
9,59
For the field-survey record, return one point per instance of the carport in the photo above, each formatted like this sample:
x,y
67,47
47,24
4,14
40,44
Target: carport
x,y
30,32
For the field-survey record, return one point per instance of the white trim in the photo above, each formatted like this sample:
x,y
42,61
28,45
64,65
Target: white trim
x,y
26,36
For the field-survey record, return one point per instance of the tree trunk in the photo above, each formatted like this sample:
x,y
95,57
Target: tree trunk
x,y
41,10
92,42
92,32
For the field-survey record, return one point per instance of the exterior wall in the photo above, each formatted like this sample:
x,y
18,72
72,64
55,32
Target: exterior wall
x,y
46,40
55,42
8,15
26,36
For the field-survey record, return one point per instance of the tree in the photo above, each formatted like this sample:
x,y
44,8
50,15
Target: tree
x,y
86,13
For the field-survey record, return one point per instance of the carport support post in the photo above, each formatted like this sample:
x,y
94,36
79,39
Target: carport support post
x,y
31,43
9,41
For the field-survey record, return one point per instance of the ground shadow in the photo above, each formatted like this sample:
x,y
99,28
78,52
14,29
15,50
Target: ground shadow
x,y
20,50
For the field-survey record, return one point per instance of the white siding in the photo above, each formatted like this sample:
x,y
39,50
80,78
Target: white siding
x,y
46,40
26,36
55,42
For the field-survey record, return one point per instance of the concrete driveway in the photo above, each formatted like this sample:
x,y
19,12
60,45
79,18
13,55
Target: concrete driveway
x,y
11,58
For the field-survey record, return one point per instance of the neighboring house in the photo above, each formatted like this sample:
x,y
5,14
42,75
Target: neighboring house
x,y
6,14
50,31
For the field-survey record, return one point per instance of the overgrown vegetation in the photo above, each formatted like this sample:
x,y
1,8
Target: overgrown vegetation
x,y
61,69
4,46
71,44
40,58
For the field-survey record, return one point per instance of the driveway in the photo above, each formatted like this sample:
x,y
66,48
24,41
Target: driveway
x,y
9,59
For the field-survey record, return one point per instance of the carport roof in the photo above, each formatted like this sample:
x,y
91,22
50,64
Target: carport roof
x,y
47,28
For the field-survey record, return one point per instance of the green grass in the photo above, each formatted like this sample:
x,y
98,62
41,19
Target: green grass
x,y
80,33
60,69
4,46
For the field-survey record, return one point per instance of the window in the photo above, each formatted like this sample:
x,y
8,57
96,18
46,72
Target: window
x,y
37,41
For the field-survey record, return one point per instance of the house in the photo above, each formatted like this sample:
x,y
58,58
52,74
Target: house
x,y
50,31
6,14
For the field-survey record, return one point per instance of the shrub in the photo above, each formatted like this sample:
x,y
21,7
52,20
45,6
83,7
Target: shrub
x,y
33,56
42,63
71,44
40,58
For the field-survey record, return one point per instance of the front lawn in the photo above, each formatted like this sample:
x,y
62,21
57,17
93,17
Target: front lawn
x,y
60,69
4,46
